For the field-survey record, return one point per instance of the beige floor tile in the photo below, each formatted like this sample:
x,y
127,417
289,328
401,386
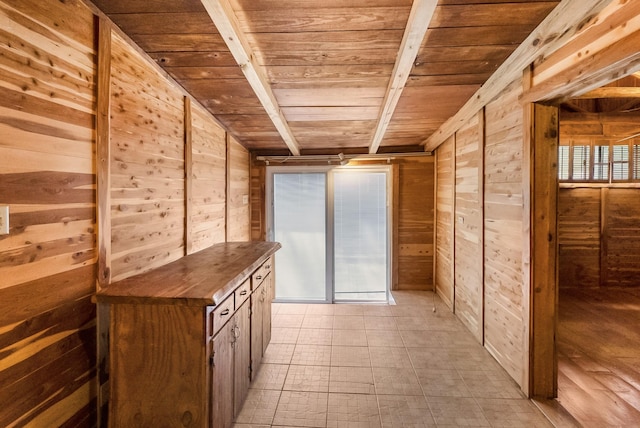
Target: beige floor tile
x,y
348,322
270,376
315,336
284,335
352,411
307,378
411,323
451,339
320,309
431,358
456,412
376,311
380,323
293,308
302,409
418,339
312,355
490,384
408,310
474,357
384,338
356,380
250,426
287,320
510,413
442,383
348,309
349,338
405,411
278,353
259,407
389,357
317,321
350,356
396,381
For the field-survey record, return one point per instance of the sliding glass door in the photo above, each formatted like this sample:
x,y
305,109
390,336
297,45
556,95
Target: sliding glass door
x,y
300,225
333,224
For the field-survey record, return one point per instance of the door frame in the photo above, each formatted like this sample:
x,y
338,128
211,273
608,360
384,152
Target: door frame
x,y
329,218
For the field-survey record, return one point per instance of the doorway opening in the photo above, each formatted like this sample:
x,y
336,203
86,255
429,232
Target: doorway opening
x,y
599,255
334,224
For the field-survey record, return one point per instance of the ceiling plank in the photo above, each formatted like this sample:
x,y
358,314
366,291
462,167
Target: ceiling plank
x,y
421,14
567,19
611,92
223,17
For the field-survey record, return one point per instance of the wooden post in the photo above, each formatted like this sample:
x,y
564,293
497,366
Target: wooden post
x,y
395,198
604,247
544,289
227,188
481,166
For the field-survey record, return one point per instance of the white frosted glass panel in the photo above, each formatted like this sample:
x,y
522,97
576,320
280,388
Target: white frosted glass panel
x,y
299,224
360,236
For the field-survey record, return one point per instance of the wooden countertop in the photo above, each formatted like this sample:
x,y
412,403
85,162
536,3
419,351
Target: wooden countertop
x,y
200,279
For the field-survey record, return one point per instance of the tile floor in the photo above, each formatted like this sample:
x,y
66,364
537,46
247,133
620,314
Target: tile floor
x,y
370,366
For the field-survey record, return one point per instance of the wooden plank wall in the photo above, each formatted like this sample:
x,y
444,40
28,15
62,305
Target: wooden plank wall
x,y
468,225
444,218
579,237
491,206
238,208
506,297
208,185
415,223
147,165
47,177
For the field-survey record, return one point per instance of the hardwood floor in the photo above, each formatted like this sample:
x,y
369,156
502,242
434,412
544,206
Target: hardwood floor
x,y
599,356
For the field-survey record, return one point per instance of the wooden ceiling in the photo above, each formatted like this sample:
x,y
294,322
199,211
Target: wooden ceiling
x,y
332,75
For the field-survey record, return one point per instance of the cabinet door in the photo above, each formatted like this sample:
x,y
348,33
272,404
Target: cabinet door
x,y
242,356
257,316
267,289
222,377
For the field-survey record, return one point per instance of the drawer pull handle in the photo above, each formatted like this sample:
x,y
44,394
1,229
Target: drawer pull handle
x,y
259,277
243,293
225,312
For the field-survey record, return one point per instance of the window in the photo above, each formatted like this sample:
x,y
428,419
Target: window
x,y
585,161
581,165
620,163
601,163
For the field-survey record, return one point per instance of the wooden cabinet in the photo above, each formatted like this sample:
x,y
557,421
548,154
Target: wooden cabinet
x,y
181,338
261,298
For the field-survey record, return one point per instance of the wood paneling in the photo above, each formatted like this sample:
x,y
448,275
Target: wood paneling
x,y
469,230
147,166
505,296
208,198
48,179
257,200
445,207
415,223
238,208
620,234
579,237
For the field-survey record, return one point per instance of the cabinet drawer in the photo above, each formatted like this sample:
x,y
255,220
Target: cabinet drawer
x,y
242,293
221,314
261,273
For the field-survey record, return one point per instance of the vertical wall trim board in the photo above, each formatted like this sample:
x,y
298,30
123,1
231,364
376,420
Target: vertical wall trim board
x,y
395,245
227,185
527,191
454,139
188,177
103,204
481,196
604,239
436,164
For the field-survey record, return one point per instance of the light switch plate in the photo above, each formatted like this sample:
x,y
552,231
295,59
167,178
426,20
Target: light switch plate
x,y
245,199
4,219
